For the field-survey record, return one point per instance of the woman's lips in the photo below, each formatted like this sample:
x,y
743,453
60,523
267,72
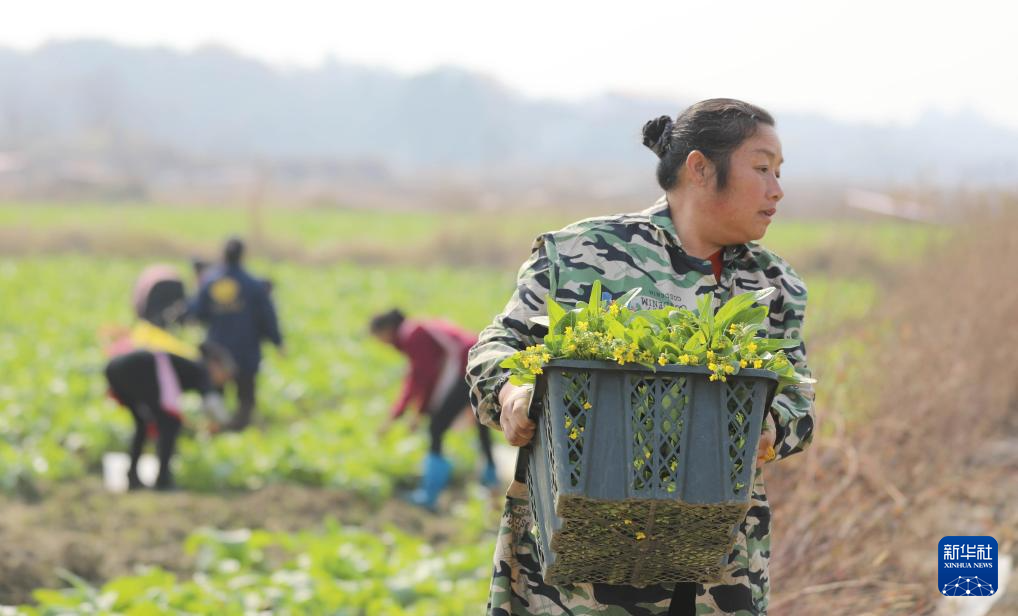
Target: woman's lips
x,y
769,213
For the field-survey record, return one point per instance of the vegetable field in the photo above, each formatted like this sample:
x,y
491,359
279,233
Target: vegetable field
x,y
319,406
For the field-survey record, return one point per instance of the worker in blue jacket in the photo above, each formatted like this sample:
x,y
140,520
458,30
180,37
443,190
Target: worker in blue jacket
x,y
239,313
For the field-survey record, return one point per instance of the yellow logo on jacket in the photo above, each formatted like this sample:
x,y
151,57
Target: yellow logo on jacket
x,y
224,291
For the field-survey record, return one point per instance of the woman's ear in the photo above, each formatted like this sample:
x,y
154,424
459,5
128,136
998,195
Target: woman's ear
x,y
699,169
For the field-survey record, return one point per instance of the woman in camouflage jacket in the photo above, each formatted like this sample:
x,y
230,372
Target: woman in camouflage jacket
x,y
719,165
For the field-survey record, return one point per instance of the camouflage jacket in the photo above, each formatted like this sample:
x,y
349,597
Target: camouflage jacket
x,y
642,250
625,251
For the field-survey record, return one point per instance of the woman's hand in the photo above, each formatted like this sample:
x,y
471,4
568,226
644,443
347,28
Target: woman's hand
x,y
765,449
514,401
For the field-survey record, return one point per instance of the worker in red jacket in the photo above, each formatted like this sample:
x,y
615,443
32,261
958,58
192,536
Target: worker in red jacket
x,y
435,383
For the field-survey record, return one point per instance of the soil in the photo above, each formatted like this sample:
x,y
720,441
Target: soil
x,y
97,535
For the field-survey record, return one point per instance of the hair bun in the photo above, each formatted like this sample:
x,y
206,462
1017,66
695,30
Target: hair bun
x,y
656,134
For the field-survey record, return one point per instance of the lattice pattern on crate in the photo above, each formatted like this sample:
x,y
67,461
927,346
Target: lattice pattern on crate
x,y
657,421
535,531
642,541
549,443
674,398
738,401
641,397
577,404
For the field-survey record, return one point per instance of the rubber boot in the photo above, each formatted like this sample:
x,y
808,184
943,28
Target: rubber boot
x,y
133,482
489,478
164,481
437,473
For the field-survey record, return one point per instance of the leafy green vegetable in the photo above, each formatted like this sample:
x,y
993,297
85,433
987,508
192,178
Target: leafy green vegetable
x,y
725,342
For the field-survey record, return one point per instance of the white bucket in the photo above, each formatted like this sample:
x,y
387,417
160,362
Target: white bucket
x,y
115,465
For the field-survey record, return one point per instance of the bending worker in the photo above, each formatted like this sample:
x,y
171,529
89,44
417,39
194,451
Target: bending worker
x,y
149,385
438,357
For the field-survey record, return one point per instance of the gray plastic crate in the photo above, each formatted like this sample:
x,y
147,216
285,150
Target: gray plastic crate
x,y
640,477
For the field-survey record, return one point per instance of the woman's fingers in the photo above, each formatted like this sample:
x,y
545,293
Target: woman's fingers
x,y
518,428
765,450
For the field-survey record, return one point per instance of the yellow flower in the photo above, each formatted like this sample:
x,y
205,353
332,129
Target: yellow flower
x,y
757,363
751,347
732,329
569,422
646,455
546,357
574,434
627,522
537,370
743,363
674,465
571,348
713,377
710,355
640,535
569,330
729,369
724,379
662,359
683,359
582,326
586,405
712,366
614,310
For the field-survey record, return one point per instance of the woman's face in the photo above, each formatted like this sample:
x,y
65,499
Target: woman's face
x,y
744,208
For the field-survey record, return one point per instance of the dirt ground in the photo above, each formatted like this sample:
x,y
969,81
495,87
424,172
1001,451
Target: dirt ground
x,y
97,535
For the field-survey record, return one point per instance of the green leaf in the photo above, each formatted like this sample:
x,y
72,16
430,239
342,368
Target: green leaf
x,y
555,311
628,297
518,379
705,314
594,307
752,316
54,598
616,329
697,343
673,347
569,320
773,344
739,304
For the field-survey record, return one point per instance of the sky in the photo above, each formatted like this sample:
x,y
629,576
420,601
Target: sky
x,y
883,61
